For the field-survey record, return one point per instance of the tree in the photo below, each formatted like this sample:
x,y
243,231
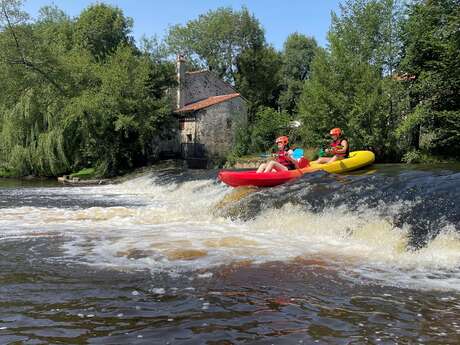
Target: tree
x,y
32,94
258,76
101,28
431,61
351,84
65,106
114,122
298,52
216,39
20,46
268,125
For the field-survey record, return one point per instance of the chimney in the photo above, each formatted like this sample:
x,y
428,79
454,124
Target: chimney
x,y
180,67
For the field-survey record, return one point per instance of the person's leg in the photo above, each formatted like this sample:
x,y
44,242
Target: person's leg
x,y
262,167
273,165
336,158
333,159
323,160
269,166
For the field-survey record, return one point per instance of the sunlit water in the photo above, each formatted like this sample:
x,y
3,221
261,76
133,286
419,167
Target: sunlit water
x,y
179,258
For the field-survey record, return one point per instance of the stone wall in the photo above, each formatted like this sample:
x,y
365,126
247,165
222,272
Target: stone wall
x,y
216,126
187,130
167,142
203,84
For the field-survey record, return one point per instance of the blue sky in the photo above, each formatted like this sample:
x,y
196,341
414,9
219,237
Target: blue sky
x,y
279,18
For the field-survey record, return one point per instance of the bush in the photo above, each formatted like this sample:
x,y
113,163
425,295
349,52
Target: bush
x,y
86,173
268,125
418,156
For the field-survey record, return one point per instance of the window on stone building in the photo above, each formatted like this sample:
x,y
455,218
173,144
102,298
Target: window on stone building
x,y
229,123
189,137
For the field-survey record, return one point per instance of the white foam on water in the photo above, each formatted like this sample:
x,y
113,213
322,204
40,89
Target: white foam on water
x,y
176,230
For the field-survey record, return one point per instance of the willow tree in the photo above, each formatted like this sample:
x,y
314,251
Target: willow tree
x,y
73,98
31,135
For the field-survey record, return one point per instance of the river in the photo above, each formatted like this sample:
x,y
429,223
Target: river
x,y
175,257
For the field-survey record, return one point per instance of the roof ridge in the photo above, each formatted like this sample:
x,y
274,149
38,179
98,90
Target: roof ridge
x,y
206,102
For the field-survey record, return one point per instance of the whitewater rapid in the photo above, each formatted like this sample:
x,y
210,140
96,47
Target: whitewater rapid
x,y
180,226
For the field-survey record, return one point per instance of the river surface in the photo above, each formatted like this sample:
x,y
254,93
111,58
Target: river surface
x,y
174,257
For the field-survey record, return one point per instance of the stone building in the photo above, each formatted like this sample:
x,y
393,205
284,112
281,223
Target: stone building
x,y
209,111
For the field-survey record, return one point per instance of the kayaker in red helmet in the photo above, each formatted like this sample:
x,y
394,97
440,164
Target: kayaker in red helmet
x,y
339,147
283,161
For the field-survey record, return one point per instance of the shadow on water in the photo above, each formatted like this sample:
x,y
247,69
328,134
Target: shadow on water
x,y
27,183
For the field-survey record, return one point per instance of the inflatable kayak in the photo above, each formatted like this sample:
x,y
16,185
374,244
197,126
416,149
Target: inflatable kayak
x,y
237,178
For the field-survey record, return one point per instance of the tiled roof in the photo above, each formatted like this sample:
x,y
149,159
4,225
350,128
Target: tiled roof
x,y
206,103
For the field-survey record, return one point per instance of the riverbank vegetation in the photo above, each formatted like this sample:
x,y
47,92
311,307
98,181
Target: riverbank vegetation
x,y
82,93
77,92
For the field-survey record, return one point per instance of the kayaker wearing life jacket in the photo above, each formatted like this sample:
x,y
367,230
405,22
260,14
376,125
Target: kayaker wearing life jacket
x,y
283,161
339,147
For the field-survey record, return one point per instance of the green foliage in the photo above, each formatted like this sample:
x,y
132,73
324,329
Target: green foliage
x,y
423,157
77,93
258,76
86,173
353,84
268,125
298,52
101,28
350,85
118,118
214,40
242,142
297,55
431,56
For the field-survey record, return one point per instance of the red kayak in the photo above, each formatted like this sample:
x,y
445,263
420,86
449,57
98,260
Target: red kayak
x,y
251,178
236,178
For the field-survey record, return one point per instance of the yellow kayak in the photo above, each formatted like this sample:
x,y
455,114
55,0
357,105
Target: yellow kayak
x,y
356,160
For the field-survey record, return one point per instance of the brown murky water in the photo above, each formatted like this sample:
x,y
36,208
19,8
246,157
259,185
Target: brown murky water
x,y
169,259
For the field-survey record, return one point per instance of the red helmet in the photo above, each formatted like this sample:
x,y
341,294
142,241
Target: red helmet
x,y
336,131
283,139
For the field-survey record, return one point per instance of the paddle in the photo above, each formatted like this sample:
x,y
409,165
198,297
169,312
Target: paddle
x,y
297,153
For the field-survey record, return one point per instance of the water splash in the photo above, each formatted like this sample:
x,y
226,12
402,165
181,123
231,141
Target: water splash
x,y
362,226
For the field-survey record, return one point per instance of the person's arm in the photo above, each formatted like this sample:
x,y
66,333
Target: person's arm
x,y
292,159
344,144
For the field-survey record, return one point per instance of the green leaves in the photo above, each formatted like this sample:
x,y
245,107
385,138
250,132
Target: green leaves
x,y
214,40
258,76
431,55
101,29
268,124
78,100
349,85
297,55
